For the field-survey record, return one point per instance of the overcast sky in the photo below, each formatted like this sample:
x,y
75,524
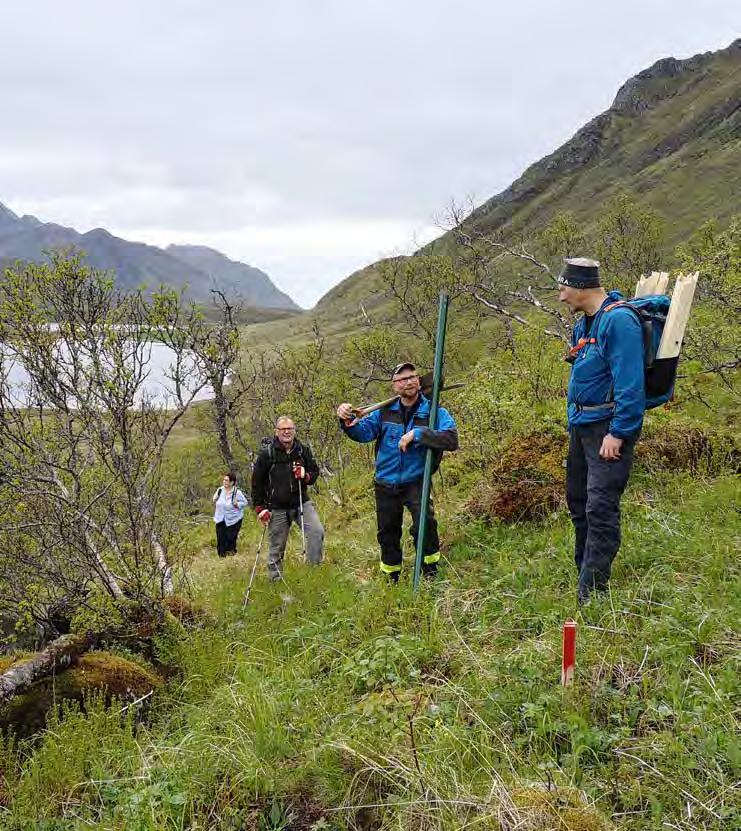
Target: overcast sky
x,y
307,139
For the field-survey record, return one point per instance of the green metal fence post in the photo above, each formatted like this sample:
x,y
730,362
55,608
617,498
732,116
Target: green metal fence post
x,y
442,320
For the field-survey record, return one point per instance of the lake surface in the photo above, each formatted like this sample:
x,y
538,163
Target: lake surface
x,y
157,386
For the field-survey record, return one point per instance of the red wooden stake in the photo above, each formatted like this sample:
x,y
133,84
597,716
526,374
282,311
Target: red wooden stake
x,y
569,652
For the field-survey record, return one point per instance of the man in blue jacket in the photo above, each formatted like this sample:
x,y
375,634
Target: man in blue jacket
x,y
606,402
402,435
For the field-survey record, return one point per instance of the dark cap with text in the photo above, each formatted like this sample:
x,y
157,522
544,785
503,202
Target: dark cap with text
x,y
580,273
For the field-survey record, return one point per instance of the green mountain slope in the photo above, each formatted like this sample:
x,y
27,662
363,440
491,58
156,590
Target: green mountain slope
x,y
672,137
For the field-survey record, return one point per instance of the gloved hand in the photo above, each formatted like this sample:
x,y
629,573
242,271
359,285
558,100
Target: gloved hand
x,y
263,514
299,471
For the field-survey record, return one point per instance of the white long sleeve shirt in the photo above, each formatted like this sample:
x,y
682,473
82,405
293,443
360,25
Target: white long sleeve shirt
x,y
229,510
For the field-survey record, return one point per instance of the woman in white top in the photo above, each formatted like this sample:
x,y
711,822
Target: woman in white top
x,y
229,505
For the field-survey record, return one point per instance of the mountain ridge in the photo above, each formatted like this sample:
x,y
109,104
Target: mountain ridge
x,y
645,96
135,263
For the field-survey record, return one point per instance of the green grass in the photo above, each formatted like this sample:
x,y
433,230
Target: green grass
x,y
443,709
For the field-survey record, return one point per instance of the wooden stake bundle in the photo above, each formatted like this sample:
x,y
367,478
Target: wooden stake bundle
x,y
679,311
655,283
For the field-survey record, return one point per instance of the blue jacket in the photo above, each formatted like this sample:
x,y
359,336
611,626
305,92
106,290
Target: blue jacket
x,y
392,466
610,370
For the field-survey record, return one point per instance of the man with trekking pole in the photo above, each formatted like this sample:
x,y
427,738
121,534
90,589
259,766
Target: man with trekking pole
x,y
283,470
402,434
606,403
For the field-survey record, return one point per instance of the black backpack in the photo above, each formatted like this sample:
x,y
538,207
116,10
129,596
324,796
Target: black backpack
x,y
268,443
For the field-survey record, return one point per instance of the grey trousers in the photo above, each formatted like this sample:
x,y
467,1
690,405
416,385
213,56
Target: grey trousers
x,y
280,525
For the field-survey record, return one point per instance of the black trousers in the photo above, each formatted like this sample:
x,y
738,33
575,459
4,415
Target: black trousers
x,y
594,487
390,503
226,538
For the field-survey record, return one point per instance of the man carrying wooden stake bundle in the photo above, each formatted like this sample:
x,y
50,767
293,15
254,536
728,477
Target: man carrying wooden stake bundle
x,y
402,435
624,358
606,402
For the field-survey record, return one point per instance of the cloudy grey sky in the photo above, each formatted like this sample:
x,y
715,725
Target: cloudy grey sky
x,y
307,139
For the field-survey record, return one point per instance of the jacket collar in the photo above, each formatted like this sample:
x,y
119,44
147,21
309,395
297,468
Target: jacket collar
x,y
278,445
612,297
424,405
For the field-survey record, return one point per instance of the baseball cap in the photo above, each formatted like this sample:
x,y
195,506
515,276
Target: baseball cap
x,y
404,365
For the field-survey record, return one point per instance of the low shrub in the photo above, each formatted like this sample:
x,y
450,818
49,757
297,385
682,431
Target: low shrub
x,y
525,483
679,445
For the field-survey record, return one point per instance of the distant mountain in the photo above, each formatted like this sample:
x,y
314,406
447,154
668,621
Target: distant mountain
x,y
201,269
672,137
253,285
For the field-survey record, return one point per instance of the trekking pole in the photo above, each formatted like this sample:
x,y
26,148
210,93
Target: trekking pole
x,y
301,513
254,569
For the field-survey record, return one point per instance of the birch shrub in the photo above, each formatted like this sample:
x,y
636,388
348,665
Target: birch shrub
x,y
83,515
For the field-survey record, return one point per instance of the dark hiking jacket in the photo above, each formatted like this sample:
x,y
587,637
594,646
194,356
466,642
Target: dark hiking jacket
x,y
273,483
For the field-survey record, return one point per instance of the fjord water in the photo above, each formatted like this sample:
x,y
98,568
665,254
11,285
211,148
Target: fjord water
x,y
157,388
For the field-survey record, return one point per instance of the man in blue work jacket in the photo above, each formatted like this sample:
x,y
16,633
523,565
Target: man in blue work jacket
x,y
402,435
606,402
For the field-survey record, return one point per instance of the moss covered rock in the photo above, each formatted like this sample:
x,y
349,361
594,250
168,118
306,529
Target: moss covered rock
x,y
102,673
556,809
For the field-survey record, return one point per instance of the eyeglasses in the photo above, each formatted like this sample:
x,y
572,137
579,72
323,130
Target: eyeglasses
x,y
405,379
286,429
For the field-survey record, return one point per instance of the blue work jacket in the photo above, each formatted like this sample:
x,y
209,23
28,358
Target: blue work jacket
x,y
607,376
385,426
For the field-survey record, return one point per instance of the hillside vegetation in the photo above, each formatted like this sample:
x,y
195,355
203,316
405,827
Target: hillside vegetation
x,y
336,701
672,136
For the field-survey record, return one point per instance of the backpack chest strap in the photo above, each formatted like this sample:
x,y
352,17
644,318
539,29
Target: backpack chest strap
x,y
577,348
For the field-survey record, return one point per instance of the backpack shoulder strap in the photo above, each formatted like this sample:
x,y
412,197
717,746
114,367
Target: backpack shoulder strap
x,y
626,304
387,416
268,449
644,320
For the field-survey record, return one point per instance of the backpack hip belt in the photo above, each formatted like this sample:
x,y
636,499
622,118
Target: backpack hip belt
x,y
590,408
